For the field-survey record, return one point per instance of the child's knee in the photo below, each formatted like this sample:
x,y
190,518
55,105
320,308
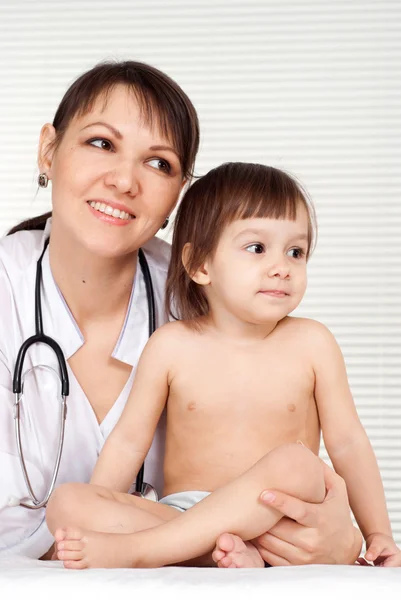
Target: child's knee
x,y
62,505
301,472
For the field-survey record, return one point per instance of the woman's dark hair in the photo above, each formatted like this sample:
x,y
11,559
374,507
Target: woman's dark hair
x,y
229,192
161,101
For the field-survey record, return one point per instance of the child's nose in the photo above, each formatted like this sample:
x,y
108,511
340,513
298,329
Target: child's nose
x,y
279,268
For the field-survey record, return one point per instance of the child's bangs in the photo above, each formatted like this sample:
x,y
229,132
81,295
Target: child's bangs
x,y
267,207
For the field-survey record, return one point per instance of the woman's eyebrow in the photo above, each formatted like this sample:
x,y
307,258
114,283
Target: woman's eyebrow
x,y
119,136
115,131
161,147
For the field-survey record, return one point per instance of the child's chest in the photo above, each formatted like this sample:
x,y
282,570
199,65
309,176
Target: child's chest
x,y
243,390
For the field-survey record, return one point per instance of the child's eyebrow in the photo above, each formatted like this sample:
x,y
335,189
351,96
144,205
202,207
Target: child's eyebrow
x,y
300,236
253,231
263,232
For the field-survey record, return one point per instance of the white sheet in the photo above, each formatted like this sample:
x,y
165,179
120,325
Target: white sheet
x,y
36,580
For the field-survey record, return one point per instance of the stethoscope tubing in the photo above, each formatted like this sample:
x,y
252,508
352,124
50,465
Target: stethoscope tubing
x,y
33,503
139,482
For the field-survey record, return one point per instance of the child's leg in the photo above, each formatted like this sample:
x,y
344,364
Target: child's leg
x,y
100,509
233,508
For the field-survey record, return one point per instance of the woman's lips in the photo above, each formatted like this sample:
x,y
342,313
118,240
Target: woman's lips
x,y
113,216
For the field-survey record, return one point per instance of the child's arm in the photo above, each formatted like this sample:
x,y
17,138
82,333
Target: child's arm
x,y
346,440
127,445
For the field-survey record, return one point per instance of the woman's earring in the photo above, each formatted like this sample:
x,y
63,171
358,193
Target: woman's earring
x,y
164,224
43,180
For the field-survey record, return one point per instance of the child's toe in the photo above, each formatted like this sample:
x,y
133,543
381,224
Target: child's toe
x,y
226,562
75,564
59,535
225,542
67,555
70,545
218,554
73,534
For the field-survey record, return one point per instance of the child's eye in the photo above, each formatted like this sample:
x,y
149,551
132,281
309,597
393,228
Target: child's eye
x,y
101,143
160,164
296,253
255,248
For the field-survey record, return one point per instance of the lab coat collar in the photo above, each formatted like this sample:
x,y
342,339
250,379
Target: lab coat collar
x,y
59,322
134,333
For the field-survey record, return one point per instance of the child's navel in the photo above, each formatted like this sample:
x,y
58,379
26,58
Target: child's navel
x,y
291,407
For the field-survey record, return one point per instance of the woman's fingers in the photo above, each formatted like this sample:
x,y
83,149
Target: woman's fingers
x,y
303,513
273,559
322,533
277,552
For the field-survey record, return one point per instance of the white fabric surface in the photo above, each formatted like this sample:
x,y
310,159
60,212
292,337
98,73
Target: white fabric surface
x,y
31,579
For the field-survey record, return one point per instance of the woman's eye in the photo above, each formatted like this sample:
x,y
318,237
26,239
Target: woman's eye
x,y
160,164
101,143
255,248
296,253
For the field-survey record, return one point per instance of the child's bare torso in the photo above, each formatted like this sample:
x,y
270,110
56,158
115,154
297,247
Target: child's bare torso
x,y
230,404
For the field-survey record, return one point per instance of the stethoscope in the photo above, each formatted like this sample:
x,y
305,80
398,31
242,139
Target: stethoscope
x,y
141,488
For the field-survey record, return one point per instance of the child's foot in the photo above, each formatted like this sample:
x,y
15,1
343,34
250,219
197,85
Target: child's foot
x,y
233,553
81,549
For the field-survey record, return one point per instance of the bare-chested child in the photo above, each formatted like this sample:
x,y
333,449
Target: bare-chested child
x,y
242,382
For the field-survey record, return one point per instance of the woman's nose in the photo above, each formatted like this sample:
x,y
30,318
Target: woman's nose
x,y
123,178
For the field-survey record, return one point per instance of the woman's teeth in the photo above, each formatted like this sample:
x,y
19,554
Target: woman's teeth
x,y
109,210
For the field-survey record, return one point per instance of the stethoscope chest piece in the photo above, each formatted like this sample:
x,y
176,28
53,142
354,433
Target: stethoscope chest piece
x,y
148,492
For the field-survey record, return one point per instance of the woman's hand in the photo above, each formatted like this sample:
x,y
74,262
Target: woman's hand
x,y
312,533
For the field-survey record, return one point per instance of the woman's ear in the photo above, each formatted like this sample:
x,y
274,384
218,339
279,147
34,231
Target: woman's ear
x,y
201,275
46,149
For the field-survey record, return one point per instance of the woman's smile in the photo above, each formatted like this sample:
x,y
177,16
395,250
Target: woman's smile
x,y
110,212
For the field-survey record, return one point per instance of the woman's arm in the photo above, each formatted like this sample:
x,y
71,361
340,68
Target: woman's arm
x,y
128,444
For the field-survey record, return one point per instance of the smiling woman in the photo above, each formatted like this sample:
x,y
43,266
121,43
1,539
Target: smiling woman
x,y
112,157
121,146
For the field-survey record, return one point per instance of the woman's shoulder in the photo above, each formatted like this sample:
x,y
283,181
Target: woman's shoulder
x,y
158,253
19,250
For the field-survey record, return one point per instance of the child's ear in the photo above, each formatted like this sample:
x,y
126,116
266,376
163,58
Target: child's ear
x,y
201,276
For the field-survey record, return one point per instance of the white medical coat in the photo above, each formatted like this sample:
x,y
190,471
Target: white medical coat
x,y
24,531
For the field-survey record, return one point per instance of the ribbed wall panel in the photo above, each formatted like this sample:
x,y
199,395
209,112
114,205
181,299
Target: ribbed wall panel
x,y
310,86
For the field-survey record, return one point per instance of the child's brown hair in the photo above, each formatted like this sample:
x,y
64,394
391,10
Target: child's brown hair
x,y
229,192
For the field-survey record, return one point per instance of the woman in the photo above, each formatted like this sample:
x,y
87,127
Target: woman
x,y
121,147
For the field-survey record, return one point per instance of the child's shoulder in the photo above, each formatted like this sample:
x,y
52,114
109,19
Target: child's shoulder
x,y
308,330
173,332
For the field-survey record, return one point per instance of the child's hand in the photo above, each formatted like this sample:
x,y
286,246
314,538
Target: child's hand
x,y
380,547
